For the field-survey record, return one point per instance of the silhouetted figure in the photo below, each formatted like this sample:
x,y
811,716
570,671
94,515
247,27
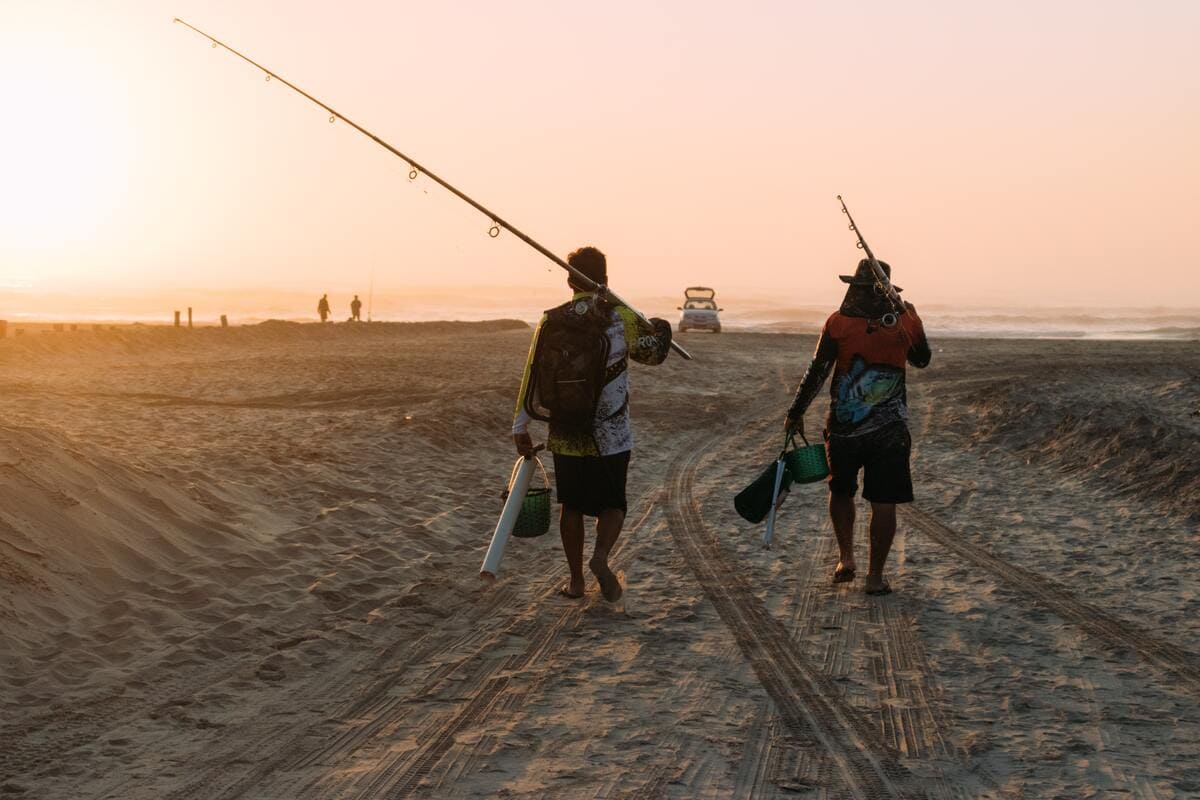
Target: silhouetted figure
x,y
584,395
867,425
323,307
356,309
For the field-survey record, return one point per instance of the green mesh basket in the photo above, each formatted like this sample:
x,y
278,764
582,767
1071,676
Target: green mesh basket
x,y
806,464
534,519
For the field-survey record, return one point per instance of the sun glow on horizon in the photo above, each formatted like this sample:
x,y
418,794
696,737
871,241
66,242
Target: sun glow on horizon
x,y
67,147
993,152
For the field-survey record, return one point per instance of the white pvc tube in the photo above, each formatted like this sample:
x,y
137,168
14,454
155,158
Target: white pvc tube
x,y
769,533
508,518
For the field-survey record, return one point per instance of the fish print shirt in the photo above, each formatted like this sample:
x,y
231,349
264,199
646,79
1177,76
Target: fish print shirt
x,y
868,362
612,432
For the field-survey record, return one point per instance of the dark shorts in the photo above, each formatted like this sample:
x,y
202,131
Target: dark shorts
x,y
882,455
591,484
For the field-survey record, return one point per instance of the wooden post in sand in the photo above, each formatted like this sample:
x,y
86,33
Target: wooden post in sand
x,y
176,319
224,321
189,316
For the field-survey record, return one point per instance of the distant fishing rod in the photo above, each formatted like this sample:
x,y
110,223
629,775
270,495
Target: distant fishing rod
x,y
883,284
415,169
371,292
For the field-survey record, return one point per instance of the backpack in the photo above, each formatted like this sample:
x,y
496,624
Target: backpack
x,y
570,365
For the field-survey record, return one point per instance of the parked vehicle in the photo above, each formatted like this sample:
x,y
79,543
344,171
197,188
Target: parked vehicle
x,y
699,310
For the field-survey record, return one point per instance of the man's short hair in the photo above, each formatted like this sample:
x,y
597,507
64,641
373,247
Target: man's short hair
x,y
591,262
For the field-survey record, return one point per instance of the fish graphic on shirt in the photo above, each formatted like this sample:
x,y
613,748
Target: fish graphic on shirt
x,y
865,386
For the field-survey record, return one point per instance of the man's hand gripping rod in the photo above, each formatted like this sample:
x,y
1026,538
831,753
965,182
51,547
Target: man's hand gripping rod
x,y
415,169
883,284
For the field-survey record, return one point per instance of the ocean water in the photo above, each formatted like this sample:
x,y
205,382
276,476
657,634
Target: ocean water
x,y
745,313
999,322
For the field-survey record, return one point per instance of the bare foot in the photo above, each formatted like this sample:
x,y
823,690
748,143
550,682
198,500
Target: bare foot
x,y
843,572
875,584
610,587
572,589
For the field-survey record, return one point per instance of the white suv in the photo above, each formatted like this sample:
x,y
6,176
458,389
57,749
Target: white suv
x,y
699,310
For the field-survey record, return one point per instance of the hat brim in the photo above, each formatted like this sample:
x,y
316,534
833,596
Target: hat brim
x,y
850,279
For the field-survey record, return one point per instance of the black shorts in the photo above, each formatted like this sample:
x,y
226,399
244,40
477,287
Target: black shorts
x,y
591,484
882,455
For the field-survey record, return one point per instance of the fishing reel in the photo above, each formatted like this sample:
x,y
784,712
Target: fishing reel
x,y
889,319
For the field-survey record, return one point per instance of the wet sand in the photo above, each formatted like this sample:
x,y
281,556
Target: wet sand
x,y
243,563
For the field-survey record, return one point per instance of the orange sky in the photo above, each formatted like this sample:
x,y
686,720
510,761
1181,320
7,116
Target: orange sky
x,y
1022,153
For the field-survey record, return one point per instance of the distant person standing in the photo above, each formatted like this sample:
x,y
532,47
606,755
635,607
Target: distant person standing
x,y
323,307
356,309
867,427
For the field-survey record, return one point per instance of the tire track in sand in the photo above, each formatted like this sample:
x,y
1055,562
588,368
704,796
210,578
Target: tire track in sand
x,y
487,685
807,700
499,684
900,694
262,752
1177,662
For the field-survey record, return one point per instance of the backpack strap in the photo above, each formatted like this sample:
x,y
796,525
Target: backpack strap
x,y
614,370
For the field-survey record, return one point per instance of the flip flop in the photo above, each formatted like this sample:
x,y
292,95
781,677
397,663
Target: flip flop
x,y
882,590
843,574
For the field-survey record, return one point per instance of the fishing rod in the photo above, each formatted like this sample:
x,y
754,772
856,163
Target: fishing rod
x,y
371,292
883,284
415,169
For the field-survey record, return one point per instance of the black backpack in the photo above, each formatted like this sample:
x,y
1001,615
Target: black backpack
x,y
570,364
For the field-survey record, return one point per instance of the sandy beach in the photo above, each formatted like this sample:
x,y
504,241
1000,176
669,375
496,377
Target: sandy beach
x,y
243,563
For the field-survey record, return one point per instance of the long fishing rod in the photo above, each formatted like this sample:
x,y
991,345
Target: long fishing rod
x,y
415,169
883,284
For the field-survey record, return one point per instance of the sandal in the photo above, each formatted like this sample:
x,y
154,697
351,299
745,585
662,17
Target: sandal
x,y
843,574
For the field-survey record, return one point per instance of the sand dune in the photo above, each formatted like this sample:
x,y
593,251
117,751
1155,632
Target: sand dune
x,y
242,563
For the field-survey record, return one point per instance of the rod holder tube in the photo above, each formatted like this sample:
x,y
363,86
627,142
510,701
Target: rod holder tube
x,y
508,519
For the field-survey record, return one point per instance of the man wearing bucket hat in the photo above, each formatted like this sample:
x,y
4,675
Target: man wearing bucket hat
x,y
591,453
866,428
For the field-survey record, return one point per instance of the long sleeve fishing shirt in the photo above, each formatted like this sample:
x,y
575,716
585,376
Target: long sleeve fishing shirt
x,y
611,432
868,364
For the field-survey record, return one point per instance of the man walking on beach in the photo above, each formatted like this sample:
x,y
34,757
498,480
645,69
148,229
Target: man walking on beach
x,y
355,309
577,377
866,428
323,307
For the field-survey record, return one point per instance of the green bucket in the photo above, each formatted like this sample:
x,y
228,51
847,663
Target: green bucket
x,y
806,464
534,519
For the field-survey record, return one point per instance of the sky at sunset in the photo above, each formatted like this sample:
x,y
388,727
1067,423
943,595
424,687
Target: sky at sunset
x,y
1007,153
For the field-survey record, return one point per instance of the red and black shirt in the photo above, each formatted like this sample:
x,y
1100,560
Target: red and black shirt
x,y
868,362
